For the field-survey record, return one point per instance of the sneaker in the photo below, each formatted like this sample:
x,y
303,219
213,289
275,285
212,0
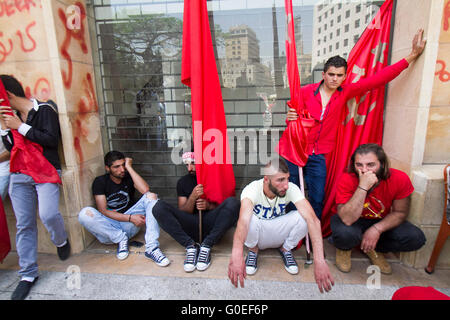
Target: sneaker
x,y
158,256
64,251
289,262
23,289
191,258
122,250
204,258
251,263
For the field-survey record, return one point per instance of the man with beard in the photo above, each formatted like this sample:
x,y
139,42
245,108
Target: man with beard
x,y
265,223
119,216
372,204
183,223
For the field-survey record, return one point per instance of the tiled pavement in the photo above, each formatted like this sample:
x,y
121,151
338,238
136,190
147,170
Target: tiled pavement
x,y
110,278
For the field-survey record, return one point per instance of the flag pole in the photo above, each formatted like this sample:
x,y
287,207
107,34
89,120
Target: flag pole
x,y
200,226
302,188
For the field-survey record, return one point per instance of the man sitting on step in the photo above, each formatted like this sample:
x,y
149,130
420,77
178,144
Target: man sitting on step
x,y
372,204
265,223
119,216
182,223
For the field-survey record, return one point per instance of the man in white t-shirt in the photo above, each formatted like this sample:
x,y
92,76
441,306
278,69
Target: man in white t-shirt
x,y
264,223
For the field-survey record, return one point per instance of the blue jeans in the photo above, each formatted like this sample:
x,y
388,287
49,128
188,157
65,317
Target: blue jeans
x,y
4,184
315,176
109,231
27,196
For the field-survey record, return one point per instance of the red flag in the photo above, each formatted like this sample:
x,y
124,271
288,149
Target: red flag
x,y
292,144
199,71
27,157
5,243
362,121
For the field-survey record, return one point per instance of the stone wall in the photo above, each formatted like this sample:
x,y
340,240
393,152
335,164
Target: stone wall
x,y
46,46
417,131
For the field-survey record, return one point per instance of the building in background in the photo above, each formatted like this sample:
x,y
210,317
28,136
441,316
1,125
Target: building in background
x,y
337,26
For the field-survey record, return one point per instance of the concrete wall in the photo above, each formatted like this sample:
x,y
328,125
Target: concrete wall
x,y
46,46
417,130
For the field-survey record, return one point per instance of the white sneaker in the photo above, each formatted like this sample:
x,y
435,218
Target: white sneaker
x,y
204,258
158,257
289,262
122,250
251,263
191,258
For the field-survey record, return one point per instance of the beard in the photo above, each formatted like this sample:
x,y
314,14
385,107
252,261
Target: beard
x,y
275,191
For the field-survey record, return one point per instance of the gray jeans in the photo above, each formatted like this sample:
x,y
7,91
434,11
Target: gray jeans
x,y
26,197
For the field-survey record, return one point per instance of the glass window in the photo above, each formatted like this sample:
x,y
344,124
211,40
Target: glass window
x,y
146,109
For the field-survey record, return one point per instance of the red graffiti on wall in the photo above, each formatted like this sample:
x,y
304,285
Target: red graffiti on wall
x,y
22,42
86,105
77,34
10,7
444,75
6,50
41,90
446,16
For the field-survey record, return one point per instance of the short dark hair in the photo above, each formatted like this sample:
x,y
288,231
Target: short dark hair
x,y
336,62
379,153
279,164
12,85
112,156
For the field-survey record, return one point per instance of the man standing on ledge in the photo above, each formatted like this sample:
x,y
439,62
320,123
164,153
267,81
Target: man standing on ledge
x,y
324,101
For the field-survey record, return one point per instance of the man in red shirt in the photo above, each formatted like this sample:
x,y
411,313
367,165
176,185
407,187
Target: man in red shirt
x,y
372,204
324,101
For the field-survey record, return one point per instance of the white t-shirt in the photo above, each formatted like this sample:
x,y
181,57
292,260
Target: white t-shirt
x,y
265,208
4,166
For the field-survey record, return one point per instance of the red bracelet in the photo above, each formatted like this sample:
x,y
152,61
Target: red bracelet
x,y
129,218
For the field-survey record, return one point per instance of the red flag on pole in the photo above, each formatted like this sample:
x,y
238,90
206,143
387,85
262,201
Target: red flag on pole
x,y
27,156
293,143
362,120
199,71
5,243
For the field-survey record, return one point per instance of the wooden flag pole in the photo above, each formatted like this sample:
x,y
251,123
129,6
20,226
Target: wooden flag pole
x,y
200,226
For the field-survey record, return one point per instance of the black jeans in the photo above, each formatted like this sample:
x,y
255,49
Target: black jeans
x,y
184,228
405,237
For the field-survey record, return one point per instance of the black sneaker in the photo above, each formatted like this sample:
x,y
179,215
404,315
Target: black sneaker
x,y
204,258
191,258
64,251
289,262
251,263
23,289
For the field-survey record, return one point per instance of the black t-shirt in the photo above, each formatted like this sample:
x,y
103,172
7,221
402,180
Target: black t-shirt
x,y
186,185
119,197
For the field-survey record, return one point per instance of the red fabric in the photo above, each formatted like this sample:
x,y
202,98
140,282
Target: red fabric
x,y
322,136
213,163
365,125
292,144
5,243
397,186
27,157
419,293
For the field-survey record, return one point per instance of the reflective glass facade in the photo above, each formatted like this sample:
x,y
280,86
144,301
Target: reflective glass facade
x,y
146,111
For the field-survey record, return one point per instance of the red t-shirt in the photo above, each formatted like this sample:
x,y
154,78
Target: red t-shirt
x,y
379,201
